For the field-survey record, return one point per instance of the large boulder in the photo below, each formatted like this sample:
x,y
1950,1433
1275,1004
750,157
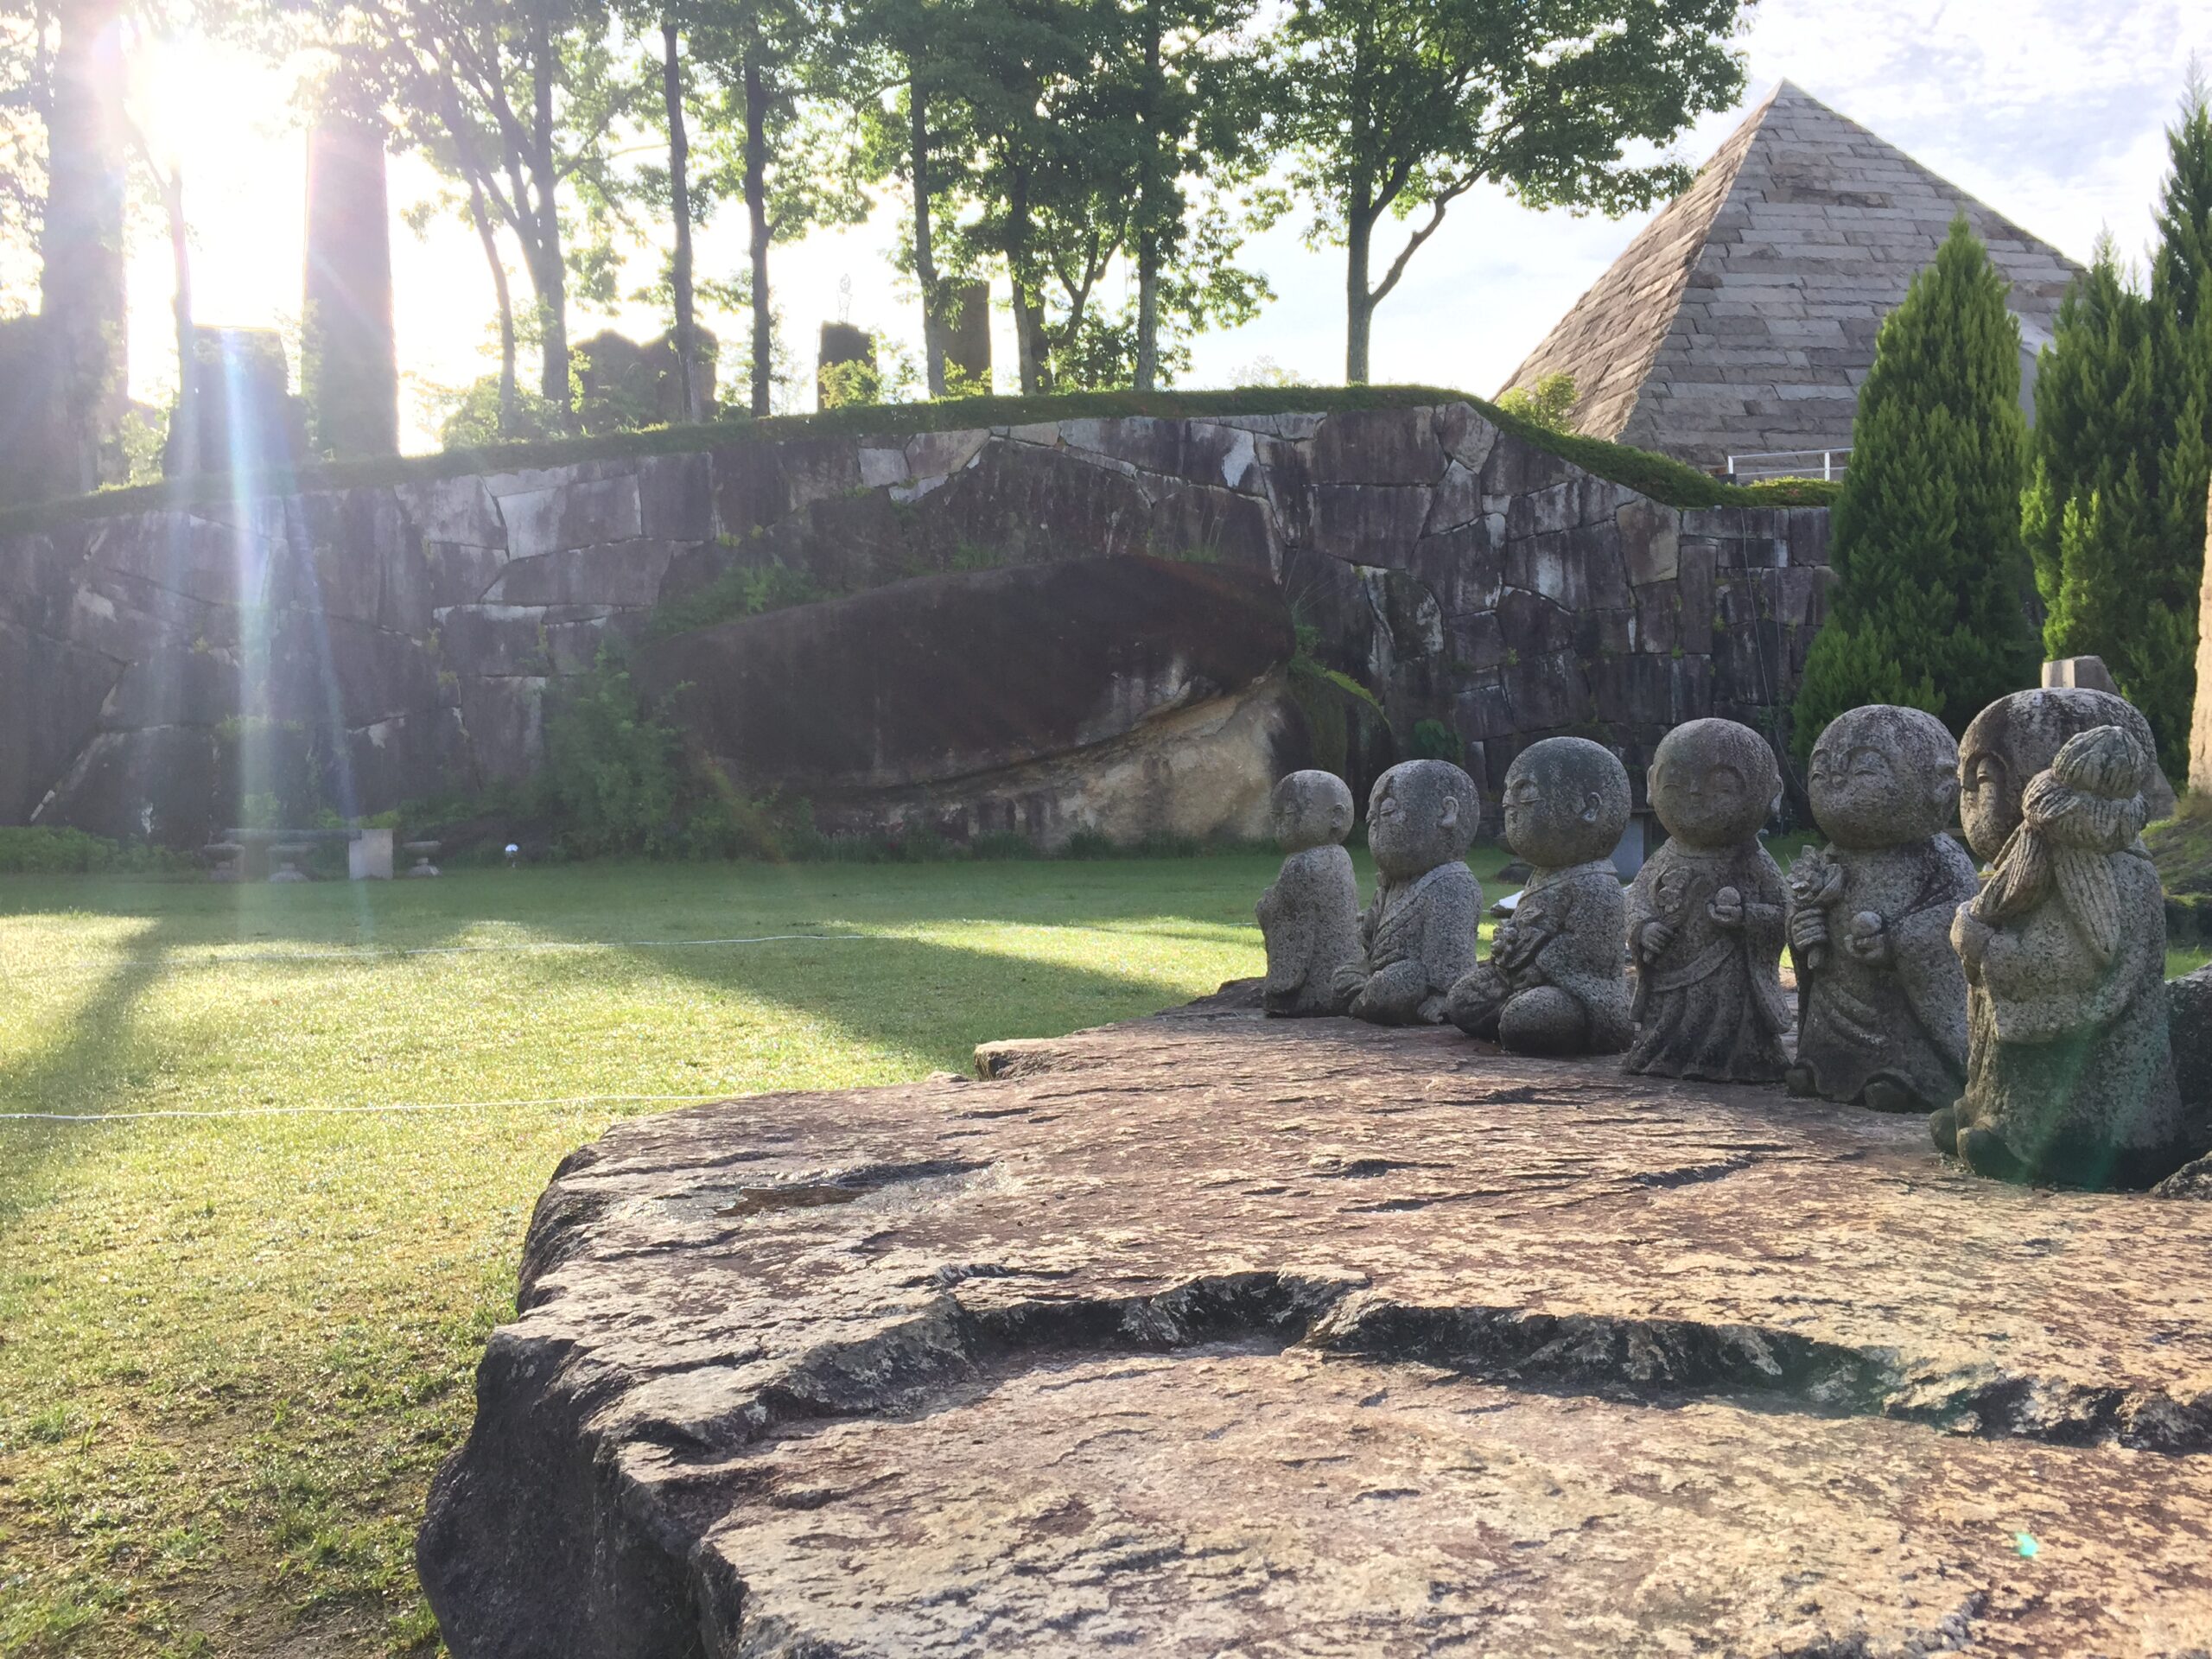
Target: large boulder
x,y
1212,1334
968,697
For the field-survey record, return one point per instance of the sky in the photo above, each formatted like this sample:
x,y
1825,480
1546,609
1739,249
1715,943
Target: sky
x,y
2051,111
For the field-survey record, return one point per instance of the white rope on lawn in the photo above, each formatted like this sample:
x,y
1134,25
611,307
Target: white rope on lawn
x,y
306,1111
212,958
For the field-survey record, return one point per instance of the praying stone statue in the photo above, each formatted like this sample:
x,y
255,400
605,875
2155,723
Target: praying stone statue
x,y
2070,1078
1881,1002
1556,980
2004,746
1706,915
1418,938
1309,917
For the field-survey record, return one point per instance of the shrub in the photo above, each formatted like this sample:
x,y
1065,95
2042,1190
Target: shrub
x,y
1929,606
1435,740
1088,844
36,849
1550,403
1000,844
612,776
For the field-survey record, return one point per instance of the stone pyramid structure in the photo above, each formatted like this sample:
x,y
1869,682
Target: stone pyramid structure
x,y
1741,319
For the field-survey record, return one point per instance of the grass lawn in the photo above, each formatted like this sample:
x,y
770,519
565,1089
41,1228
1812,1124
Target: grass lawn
x,y
232,1348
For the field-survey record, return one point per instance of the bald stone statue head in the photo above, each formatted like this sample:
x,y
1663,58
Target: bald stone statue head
x,y
1882,776
1712,782
1312,809
2017,736
1421,814
1566,803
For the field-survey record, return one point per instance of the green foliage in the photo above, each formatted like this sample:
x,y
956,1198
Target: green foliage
x,y
2115,512
470,419
742,590
611,779
1396,106
38,850
1435,740
1548,404
1929,604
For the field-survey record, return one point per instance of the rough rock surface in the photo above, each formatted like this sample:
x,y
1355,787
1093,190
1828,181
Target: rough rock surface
x,y
408,637
944,684
1214,1334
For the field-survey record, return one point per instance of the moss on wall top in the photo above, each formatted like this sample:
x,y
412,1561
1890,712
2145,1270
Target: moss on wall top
x,y
1658,476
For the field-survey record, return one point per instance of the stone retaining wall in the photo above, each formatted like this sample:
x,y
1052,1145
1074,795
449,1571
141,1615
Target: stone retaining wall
x,y
400,640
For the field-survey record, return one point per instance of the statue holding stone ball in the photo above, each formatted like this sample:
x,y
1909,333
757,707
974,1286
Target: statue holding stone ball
x,y
1418,938
1706,913
1881,1003
1555,982
1309,916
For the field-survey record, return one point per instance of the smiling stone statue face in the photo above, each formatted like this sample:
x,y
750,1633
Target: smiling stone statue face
x,y
1421,814
1711,782
2017,736
1566,803
1882,776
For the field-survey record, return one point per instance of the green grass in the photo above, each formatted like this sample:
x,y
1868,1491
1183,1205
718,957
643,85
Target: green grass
x,y
1660,476
232,1349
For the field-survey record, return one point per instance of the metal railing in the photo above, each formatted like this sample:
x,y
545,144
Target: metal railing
x,y
1788,463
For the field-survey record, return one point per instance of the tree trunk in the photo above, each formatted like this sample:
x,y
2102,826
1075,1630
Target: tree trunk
x,y
185,439
756,213
1147,214
1028,324
548,268
81,246
1359,304
485,234
924,255
679,188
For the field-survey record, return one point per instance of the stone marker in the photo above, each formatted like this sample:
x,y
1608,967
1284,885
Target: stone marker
x,y
2078,673
2069,1077
1213,1334
1882,1002
368,856
1420,935
1309,916
1705,914
1556,979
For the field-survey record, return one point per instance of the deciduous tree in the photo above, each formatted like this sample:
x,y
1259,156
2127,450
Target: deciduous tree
x,y
1398,107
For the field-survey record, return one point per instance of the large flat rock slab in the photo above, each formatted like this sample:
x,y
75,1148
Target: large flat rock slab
x,y
1214,1335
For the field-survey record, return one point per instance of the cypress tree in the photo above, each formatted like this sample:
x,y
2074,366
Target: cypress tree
x,y
2114,513
1931,572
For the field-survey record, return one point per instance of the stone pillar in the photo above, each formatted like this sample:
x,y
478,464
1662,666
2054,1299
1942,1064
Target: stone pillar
x,y
841,343
968,335
2081,673
349,367
2200,723
248,420
81,251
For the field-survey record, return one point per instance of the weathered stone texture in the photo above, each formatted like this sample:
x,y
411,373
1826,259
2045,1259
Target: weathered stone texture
x,y
1741,319
1458,573
1214,1334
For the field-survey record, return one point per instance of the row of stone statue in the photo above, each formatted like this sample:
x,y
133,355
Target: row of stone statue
x,y
2027,1014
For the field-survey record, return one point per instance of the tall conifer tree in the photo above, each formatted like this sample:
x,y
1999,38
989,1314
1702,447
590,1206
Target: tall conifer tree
x,y
1932,579
2115,512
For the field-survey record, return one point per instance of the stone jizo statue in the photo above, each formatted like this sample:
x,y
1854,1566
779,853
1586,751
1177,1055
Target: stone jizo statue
x,y
1706,915
2005,746
2070,1078
1418,938
1556,980
1309,916
1881,1003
